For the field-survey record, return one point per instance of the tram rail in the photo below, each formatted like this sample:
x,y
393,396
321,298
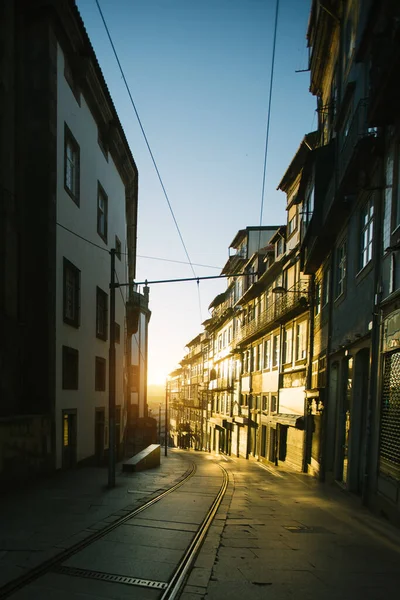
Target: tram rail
x,y
168,590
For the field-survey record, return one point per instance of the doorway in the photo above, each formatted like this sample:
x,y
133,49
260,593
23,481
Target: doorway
x,y
69,438
345,420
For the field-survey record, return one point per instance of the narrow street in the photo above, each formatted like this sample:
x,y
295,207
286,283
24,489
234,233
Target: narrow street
x,y
276,535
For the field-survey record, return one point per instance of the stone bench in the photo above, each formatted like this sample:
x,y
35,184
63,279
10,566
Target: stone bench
x,y
146,459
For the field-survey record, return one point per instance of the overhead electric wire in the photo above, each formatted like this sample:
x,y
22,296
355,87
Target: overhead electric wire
x,y
83,238
144,135
181,262
138,255
269,114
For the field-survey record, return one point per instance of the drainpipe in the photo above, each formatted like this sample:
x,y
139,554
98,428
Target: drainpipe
x,y
307,415
324,424
239,397
249,404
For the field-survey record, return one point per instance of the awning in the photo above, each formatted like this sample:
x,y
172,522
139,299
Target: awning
x,y
292,420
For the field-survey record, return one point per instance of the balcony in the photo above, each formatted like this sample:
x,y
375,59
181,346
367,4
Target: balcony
x,y
287,305
221,383
357,151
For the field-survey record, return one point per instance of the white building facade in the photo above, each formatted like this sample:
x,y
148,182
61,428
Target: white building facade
x,y
96,198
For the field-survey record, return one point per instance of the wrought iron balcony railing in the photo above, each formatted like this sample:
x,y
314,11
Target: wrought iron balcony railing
x,y
294,297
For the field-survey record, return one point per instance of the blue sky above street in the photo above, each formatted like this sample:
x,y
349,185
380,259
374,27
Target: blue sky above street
x,y
199,74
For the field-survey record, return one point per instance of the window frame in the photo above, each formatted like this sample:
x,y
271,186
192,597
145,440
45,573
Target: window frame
x,y
69,266
301,341
101,294
275,351
326,286
267,354
341,267
287,357
102,385
366,237
318,298
74,191
292,225
102,194
66,379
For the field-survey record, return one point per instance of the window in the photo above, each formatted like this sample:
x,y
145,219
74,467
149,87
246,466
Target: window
x,y
349,43
265,403
287,345
340,269
267,354
325,288
259,357
71,294
101,314
318,298
70,368
71,165
274,403
292,225
117,247
301,340
387,218
275,351
322,372
366,233
279,246
101,140
100,374
309,205
255,358
102,213
314,374
117,333
70,79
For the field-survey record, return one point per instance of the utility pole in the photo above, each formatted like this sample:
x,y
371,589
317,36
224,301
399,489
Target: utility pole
x,y
166,421
159,424
111,379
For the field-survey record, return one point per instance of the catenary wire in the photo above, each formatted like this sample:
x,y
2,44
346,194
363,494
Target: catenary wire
x,y
138,255
145,137
268,116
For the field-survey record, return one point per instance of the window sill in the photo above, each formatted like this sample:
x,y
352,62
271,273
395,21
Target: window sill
x,y
339,299
73,197
72,323
362,273
104,238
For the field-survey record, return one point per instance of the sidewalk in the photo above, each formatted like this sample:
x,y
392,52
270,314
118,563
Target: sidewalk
x,y
53,514
283,535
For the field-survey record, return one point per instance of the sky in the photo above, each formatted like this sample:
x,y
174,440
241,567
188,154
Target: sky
x,y
199,73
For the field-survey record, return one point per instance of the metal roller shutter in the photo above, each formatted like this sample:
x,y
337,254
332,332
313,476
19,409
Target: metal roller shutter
x,y
389,463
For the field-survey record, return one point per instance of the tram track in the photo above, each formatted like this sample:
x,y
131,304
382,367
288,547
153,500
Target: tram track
x,y
170,590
